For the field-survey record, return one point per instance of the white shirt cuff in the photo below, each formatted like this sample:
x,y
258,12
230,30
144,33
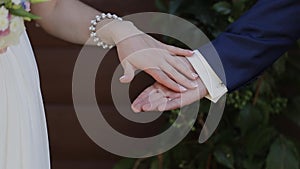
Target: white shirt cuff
x,y
215,87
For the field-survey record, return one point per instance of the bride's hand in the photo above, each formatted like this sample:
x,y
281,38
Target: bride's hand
x,y
138,50
157,59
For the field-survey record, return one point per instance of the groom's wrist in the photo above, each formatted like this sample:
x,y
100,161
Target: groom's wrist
x,y
215,87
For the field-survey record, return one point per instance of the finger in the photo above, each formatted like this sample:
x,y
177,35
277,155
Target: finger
x,y
143,100
139,101
128,72
166,91
171,105
148,100
153,102
178,51
184,99
182,67
178,77
144,94
165,80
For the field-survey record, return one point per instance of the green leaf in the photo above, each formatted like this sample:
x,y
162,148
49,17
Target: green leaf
x,y
259,140
283,155
248,118
223,136
38,1
126,163
222,7
224,156
23,13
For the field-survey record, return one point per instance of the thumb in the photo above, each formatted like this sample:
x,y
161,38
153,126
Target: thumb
x,y
128,72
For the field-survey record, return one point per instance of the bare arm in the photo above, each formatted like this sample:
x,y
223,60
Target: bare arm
x,y
67,19
70,20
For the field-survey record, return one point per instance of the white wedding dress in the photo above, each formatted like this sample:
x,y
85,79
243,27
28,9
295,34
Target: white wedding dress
x,y
23,131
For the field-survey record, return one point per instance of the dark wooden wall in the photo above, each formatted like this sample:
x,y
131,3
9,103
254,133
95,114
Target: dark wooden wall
x,y
70,146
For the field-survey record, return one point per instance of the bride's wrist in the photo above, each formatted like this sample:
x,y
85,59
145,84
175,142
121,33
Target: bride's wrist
x,y
124,30
109,31
97,24
104,31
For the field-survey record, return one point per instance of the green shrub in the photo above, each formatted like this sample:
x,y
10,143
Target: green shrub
x,y
248,136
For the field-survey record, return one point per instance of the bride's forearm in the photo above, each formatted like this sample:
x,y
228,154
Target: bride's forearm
x,y
66,19
70,20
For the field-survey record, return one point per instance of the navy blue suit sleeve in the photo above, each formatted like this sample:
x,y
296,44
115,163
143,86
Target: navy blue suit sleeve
x,y
255,41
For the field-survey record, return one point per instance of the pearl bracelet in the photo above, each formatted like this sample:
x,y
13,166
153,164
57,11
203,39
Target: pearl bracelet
x,y
92,28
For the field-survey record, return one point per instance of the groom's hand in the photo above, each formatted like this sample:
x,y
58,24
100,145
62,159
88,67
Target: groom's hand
x,y
157,59
159,98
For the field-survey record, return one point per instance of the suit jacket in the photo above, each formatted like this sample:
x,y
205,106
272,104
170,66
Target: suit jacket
x,y
255,41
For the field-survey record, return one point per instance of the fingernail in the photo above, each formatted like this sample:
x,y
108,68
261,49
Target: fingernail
x,y
195,75
183,89
191,52
194,84
122,77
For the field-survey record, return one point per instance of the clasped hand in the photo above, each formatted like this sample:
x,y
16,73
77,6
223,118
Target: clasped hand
x,y
177,83
157,59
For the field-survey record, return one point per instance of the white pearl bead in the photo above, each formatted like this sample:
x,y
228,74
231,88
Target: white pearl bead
x,y
105,46
114,16
100,43
96,39
92,28
94,23
98,18
93,34
103,15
